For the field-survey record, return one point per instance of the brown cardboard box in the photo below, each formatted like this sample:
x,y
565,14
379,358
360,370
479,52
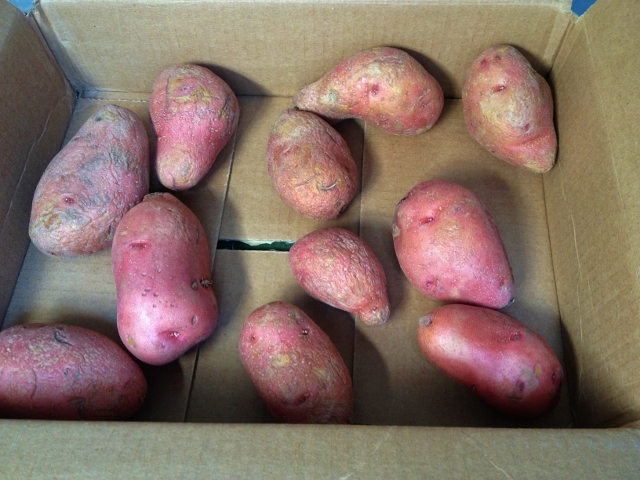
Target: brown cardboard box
x,y
572,236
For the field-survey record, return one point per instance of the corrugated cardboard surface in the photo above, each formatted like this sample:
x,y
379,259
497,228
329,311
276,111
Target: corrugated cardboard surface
x,y
593,204
572,231
35,108
135,451
276,47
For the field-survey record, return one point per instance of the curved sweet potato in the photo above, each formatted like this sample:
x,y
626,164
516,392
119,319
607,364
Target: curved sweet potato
x,y
384,86
508,109
337,267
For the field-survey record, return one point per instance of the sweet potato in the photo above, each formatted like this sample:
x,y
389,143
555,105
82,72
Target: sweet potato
x,y
449,247
384,86
296,369
508,109
194,114
64,372
501,360
90,184
161,265
337,267
310,165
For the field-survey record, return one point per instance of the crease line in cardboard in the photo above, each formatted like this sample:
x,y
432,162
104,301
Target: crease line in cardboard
x,y
34,144
213,257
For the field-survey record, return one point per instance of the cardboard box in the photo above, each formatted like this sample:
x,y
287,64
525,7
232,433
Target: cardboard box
x,y
571,235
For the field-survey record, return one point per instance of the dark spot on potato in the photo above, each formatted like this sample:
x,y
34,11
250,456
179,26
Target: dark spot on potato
x,y
497,57
80,403
300,399
59,337
425,321
515,336
99,118
553,376
521,386
305,331
427,220
498,88
375,89
69,200
526,127
139,245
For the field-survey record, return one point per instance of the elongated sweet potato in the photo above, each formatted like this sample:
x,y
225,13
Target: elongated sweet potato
x,y
64,372
449,247
508,109
501,360
161,264
384,86
90,184
337,267
195,114
295,367
310,165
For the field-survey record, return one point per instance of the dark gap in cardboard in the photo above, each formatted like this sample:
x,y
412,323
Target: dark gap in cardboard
x,y
277,246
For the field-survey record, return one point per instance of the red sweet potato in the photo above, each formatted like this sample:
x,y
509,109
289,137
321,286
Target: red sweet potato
x,y
90,184
296,369
501,360
310,165
384,86
63,372
508,109
161,265
194,114
337,267
449,247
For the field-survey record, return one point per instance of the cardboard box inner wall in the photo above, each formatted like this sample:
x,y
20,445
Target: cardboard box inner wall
x,y
569,234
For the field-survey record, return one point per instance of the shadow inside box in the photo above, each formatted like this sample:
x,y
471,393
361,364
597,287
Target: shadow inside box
x,y
436,71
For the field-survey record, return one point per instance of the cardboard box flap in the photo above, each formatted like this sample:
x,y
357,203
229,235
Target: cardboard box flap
x,y
276,47
137,450
36,107
593,204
